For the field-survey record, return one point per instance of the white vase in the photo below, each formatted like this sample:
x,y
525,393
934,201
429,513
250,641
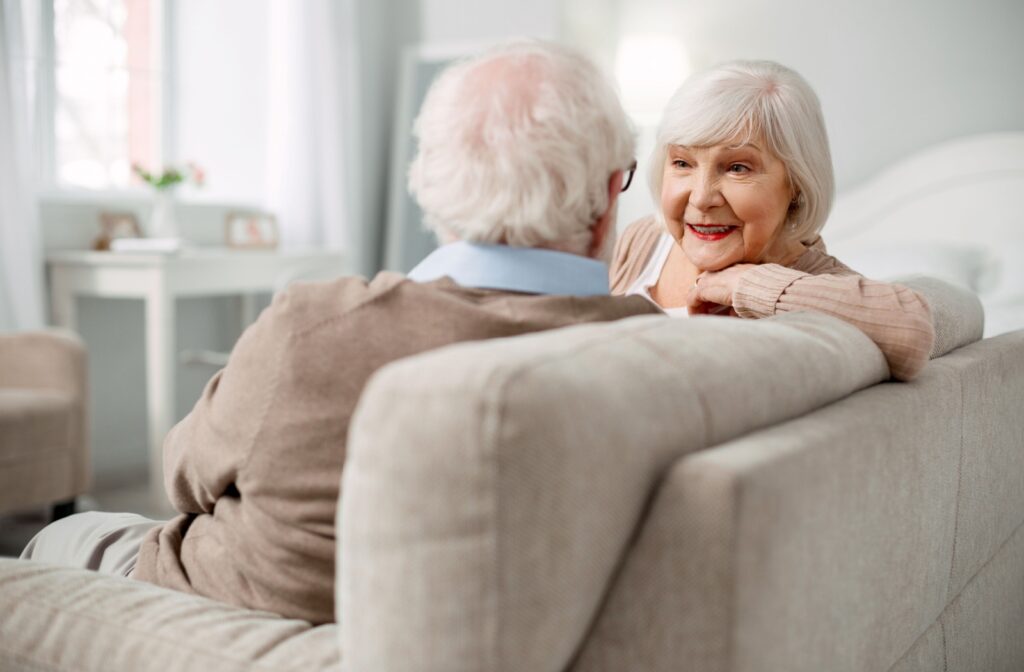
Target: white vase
x,y
162,223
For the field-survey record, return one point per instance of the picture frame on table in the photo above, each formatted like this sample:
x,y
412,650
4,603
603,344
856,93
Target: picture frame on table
x,y
116,225
251,231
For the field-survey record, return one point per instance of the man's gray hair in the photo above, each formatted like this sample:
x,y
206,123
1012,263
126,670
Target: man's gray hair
x,y
739,101
517,145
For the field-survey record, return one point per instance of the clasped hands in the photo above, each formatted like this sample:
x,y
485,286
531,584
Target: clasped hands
x,y
713,292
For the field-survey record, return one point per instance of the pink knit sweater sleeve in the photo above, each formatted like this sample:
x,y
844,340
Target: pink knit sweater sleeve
x,y
895,317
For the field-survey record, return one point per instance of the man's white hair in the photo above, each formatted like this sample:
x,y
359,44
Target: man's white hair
x,y
516,146
743,100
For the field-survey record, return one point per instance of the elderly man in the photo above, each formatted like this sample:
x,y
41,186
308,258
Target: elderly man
x,y
522,154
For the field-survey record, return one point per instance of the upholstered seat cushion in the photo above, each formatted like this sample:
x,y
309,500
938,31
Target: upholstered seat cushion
x,y
59,618
33,422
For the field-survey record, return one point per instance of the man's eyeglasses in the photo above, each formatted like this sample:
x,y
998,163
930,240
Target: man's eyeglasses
x,y
629,175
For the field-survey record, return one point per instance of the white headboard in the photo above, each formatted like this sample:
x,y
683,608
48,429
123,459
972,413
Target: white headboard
x,y
966,191
954,211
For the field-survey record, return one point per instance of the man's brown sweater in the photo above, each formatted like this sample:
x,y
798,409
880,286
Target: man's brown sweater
x,y
254,469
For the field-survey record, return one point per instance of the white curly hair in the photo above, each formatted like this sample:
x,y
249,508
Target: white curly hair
x,y
516,146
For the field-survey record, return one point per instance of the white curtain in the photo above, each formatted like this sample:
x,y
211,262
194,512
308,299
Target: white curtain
x,y
309,124
21,268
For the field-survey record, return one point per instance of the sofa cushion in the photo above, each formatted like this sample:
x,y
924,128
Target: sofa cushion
x,y
33,423
74,620
491,488
52,359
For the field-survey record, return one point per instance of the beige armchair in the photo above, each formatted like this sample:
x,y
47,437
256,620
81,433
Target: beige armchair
x,y
44,446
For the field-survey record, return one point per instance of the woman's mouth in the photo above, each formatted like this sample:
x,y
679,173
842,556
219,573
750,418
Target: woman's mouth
x,y
710,233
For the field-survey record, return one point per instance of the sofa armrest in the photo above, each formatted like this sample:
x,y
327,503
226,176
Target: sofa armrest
x,y
51,359
57,618
957,313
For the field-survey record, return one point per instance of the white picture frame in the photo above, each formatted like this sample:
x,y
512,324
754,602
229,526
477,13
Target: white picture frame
x,y
251,230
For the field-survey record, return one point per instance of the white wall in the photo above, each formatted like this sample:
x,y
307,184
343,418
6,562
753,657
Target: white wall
x,y
386,27
893,77
222,93
483,20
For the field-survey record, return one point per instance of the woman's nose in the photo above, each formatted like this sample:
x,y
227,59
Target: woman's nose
x,y
706,193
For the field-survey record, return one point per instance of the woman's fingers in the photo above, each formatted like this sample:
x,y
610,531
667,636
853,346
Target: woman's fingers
x,y
712,293
710,288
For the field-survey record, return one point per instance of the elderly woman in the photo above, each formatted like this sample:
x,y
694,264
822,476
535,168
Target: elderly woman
x,y
743,175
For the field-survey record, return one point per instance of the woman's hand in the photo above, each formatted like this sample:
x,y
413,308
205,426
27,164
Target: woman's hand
x,y
713,292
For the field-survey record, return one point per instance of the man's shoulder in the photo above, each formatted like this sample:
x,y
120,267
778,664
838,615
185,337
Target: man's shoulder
x,y
340,294
392,299
531,312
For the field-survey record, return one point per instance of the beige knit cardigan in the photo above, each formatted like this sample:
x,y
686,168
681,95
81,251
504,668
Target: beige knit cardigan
x,y
895,317
254,469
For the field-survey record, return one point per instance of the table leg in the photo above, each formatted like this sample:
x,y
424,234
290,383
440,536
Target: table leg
x,y
62,301
248,309
160,383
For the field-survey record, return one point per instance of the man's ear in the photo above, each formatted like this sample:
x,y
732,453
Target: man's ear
x,y
606,220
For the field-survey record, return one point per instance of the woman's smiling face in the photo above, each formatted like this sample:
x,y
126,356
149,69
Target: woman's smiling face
x,y
726,204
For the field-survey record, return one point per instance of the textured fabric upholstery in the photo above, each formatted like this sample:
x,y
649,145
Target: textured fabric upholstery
x,y
44,451
957,314
991,480
753,501
488,500
928,654
819,544
34,422
71,619
984,623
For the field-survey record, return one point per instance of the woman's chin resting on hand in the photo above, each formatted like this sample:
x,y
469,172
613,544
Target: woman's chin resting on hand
x,y
738,226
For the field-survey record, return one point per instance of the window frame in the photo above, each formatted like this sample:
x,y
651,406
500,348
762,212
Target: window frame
x,y
45,113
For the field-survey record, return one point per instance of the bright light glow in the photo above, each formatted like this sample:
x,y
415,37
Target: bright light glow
x,y
649,68
108,90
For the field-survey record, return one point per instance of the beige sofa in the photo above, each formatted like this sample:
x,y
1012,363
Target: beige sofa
x,y
44,447
708,495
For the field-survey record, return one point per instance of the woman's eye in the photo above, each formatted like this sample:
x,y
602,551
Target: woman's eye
x,y
679,163
739,168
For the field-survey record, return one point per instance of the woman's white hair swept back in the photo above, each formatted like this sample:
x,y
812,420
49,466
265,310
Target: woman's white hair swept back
x,y
516,146
739,101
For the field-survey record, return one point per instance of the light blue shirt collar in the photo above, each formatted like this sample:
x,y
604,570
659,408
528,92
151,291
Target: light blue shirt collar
x,y
514,269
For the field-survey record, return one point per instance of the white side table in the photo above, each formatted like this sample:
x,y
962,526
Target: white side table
x,y
160,279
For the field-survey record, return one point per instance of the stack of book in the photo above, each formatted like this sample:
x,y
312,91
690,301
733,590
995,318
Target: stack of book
x,y
150,245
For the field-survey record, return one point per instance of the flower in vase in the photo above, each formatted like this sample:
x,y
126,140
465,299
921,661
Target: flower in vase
x,y
198,174
171,176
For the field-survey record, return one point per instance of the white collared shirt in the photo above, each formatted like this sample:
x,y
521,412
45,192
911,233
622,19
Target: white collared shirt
x,y
514,269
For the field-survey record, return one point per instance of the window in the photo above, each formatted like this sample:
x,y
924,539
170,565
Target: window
x,y
107,91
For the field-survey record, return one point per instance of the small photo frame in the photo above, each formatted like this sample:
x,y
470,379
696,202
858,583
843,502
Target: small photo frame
x,y
251,230
115,225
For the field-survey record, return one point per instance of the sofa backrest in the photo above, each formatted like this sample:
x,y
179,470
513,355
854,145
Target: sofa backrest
x,y
491,489
875,530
